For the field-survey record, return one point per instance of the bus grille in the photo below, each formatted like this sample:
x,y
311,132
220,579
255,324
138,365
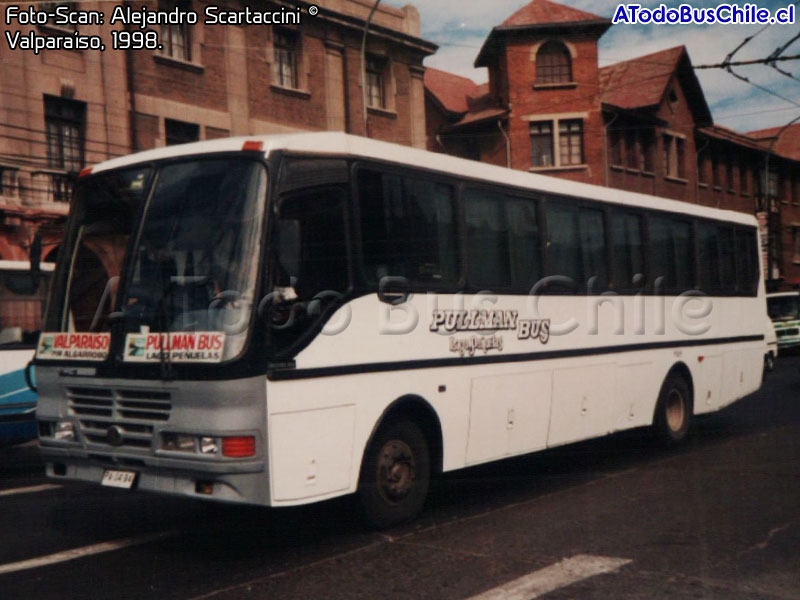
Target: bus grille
x,y
132,413
789,331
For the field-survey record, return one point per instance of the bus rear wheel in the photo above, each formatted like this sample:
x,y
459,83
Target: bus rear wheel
x,y
395,475
673,411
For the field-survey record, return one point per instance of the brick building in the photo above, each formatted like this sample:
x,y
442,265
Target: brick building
x,y
63,109
641,125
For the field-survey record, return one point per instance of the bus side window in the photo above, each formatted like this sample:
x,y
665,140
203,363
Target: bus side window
x,y
487,240
407,227
594,252
524,244
312,243
684,255
709,259
627,241
727,258
672,253
503,245
563,249
746,261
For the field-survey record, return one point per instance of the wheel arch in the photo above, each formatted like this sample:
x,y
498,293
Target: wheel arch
x,y
418,410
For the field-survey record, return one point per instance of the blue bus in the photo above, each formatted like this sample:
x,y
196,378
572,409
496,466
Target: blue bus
x,y
23,293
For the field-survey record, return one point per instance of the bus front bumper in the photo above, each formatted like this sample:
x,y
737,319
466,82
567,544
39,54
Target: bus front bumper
x,y
239,482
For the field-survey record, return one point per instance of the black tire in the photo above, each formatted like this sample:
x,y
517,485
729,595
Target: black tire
x,y
769,366
395,475
673,411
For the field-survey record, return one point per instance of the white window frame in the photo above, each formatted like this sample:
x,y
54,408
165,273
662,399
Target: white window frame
x,y
555,120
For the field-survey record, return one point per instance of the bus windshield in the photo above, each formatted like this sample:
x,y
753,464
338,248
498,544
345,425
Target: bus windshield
x,y
192,266
784,308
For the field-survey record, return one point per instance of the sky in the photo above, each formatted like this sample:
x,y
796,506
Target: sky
x,y
460,27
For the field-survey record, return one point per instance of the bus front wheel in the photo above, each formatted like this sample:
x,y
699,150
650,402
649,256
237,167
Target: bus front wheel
x,y
673,411
395,475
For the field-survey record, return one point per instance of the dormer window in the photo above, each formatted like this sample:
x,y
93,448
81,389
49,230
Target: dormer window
x,y
553,64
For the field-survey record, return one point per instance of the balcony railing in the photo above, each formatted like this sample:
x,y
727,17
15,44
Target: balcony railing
x,y
51,186
34,188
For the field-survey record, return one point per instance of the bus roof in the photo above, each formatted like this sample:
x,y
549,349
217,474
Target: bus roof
x,y
337,143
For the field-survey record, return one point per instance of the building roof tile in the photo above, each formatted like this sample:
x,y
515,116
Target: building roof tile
x,y
788,143
640,81
540,12
452,91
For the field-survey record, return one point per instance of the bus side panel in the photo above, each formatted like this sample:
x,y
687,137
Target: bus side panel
x,y
637,388
509,414
314,450
732,376
582,401
353,405
707,384
743,375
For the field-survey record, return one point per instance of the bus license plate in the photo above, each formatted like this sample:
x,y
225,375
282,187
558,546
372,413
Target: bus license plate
x,y
119,479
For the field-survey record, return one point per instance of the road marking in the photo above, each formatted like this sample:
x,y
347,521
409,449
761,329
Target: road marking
x,y
76,553
568,571
30,490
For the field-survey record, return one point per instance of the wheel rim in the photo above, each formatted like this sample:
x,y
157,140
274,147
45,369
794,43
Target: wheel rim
x,y
396,470
675,410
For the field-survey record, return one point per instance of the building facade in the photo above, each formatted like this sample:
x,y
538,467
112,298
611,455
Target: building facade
x,y
641,125
62,110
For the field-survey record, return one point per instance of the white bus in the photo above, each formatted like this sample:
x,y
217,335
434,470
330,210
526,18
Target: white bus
x,y
280,320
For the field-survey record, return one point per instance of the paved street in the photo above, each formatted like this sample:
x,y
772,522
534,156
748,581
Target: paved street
x,y
611,518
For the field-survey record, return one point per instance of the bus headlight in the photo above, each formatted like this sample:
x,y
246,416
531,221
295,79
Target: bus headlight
x,y
65,431
177,442
208,445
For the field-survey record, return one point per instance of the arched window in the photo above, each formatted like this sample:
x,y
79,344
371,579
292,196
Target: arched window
x,y
553,63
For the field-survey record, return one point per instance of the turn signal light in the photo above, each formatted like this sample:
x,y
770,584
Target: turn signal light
x,y
239,447
85,172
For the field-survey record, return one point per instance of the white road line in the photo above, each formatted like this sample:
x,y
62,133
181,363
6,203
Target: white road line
x,y
76,553
30,490
568,571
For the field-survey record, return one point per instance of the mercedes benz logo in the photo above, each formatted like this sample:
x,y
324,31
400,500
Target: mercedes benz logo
x,y
114,435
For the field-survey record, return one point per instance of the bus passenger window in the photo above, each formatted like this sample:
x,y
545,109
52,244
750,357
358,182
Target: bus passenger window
x,y
628,249
672,255
593,250
407,229
487,240
708,247
727,259
661,255
563,250
684,256
524,244
503,245
746,261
